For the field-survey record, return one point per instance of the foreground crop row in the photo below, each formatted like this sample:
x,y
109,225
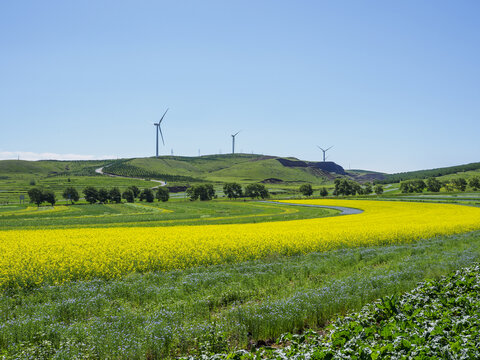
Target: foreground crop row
x,y
437,320
32,257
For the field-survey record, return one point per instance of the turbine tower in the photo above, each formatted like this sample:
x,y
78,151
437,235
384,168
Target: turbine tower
x,y
324,151
159,130
233,142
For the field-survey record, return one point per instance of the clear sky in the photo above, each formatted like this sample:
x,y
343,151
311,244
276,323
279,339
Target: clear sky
x,y
393,85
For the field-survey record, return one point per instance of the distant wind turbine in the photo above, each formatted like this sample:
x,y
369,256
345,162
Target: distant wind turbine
x,y
324,151
159,130
233,142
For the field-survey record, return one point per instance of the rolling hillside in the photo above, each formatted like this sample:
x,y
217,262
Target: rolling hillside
x,y
224,168
22,169
472,168
17,176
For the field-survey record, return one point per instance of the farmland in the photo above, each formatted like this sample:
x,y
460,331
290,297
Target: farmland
x,y
139,214
195,278
59,255
162,280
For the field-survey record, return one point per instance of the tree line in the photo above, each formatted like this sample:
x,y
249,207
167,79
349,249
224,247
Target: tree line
x,y
93,195
232,190
349,187
435,185
425,174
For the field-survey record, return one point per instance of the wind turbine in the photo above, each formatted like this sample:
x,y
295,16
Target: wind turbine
x,y
233,142
159,130
324,151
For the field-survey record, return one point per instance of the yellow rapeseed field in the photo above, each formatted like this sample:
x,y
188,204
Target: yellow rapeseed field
x,y
33,257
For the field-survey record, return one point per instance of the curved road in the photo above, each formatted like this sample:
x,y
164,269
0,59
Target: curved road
x,y
100,171
344,210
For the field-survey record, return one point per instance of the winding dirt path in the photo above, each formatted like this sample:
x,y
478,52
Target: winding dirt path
x,y
101,172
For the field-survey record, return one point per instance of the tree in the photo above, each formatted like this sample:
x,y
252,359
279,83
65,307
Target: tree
x,y
368,188
306,189
115,195
147,195
203,192
378,189
412,186
209,192
474,183
103,195
232,190
459,184
135,190
192,193
36,196
323,192
49,197
357,188
70,193
256,191
448,186
128,195
163,194
433,185
347,187
91,194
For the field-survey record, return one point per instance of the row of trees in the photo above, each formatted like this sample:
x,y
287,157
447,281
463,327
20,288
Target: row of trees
x,y
231,190
434,185
39,196
92,195
349,187
254,191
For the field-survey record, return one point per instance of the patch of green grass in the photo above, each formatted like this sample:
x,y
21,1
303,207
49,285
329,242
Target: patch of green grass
x,y
218,308
437,320
171,213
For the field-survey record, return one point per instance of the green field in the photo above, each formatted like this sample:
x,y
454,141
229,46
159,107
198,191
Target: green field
x,y
207,310
171,213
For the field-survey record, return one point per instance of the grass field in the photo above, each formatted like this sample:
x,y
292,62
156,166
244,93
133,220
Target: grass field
x,y
172,213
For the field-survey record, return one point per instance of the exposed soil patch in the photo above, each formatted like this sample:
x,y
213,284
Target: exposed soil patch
x,y
272,181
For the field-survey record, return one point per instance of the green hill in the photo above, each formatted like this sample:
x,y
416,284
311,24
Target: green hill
x,y
20,169
424,174
220,168
281,174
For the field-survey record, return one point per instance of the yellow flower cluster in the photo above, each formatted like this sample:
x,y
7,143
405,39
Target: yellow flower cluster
x,y
36,210
33,257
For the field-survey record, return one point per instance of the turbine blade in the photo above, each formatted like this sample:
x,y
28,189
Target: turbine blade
x,y
329,148
163,117
160,131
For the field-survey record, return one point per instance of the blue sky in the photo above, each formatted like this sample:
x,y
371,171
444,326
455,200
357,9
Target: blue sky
x,y
393,85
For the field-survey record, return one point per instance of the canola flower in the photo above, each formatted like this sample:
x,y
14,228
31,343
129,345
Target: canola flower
x,y
36,210
33,257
